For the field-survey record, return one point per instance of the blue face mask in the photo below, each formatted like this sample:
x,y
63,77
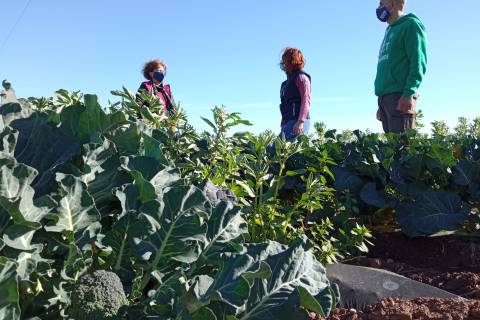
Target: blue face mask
x,y
159,75
383,13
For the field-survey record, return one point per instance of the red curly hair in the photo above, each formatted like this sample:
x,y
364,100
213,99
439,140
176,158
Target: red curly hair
x,y
292,60
151,66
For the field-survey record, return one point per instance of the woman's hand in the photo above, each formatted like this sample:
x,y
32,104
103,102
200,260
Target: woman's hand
x,y
298,128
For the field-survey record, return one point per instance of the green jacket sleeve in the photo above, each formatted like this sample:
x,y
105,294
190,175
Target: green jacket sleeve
x,y
416,48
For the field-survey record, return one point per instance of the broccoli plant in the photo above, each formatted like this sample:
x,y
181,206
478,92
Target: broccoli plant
x,y
97,296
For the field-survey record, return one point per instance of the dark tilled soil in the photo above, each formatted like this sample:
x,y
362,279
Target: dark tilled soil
x,y
421,309
449,263
441,253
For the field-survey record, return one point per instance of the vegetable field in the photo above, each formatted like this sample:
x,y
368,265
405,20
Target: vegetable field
x,y
171,223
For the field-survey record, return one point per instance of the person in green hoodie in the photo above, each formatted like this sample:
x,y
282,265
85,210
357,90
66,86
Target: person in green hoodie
x,y
401,66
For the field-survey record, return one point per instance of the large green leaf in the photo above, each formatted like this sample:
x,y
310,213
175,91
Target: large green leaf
x,y
117,239
430,212
76,210
440,156
126,139
372,196
36,136
12,111
152,149
148,167
172,289
261,251
9,139
128,195
102,174
232,283
273,297
401,177
168,177
466,173
225,225
142,170
413,166
27,263
204,314
94,119
107,179
19,217
94,157
171,228
9,296
84,121
16,194
223,311
346,180
133,195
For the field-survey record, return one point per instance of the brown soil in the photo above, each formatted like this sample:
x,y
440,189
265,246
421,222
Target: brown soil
x,y
418,309
442,253
449,263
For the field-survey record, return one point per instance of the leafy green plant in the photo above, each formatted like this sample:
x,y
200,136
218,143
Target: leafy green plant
x,y
129,191
117,202
462,128
440,129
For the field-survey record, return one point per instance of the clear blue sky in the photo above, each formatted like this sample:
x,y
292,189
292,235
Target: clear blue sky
x,y
227,52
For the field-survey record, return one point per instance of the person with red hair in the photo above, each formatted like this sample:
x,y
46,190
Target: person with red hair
x,y
294,95
154,72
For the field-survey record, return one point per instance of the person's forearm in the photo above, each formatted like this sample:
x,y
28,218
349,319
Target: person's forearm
x,y
303,85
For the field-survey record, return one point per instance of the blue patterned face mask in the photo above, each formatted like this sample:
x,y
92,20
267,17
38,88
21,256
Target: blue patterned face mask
x,y
159,75
383,13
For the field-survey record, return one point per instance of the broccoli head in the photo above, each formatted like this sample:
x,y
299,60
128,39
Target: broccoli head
x,y
97,296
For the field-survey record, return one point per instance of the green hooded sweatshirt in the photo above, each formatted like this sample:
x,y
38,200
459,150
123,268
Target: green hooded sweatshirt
x,y
402,62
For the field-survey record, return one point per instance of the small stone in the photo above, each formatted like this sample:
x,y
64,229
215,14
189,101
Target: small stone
x,y
475,313
375,263
401,316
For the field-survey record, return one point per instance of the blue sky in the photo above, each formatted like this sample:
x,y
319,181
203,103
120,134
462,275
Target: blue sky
x,y
227,52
